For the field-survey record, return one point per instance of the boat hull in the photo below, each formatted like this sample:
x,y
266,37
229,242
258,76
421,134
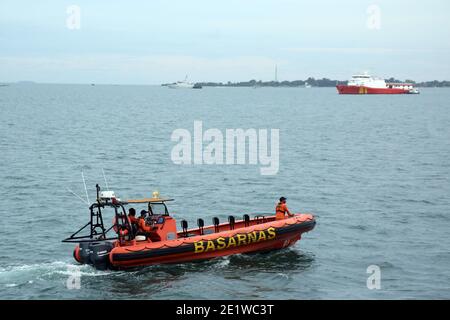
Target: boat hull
x,y
181,86
266,236
344,89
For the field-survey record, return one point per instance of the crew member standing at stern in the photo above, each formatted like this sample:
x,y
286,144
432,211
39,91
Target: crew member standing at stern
x,y
282,209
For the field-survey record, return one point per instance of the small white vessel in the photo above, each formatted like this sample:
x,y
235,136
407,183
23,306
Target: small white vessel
x,y
181,85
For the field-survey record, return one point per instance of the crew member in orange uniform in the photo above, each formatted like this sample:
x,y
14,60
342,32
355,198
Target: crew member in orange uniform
x,y
282,209
133,220
132,216
143,227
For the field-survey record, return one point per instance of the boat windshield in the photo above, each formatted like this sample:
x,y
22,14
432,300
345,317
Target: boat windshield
x,y
159,209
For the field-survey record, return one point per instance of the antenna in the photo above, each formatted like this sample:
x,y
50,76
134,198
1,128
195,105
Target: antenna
x,y
85,188
77,196
97,188
276,73
104,177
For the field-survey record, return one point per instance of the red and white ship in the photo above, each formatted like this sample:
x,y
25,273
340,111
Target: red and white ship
x,y
365,84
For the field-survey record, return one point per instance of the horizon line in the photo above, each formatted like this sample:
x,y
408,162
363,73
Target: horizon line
x,y
23,82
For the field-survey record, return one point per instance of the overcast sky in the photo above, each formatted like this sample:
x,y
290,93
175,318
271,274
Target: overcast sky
x,y
152,42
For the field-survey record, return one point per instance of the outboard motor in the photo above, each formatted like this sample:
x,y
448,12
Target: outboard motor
x,y
84,252
99,254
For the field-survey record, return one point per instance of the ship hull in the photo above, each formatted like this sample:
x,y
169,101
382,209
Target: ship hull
x,y
181,86
344,89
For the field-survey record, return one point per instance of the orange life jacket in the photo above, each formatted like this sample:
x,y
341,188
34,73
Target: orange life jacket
x,y
280,211
133,220
143,227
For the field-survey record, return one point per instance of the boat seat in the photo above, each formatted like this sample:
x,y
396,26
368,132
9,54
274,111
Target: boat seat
x,y
232,221
215,221
184,226
200,224
246,220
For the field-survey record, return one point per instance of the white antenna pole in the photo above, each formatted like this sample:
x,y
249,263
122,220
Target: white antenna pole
x,y
104,177
85,188
276,73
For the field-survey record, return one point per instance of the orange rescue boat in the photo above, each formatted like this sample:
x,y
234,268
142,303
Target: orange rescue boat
x,y
129,247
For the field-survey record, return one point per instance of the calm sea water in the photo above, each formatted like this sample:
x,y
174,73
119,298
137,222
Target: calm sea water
x,y
375,170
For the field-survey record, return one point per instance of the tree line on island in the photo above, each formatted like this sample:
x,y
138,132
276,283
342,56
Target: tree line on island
x,y
324,82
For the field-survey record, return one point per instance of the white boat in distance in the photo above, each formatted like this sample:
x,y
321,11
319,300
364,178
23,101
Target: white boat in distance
x,y
181,84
